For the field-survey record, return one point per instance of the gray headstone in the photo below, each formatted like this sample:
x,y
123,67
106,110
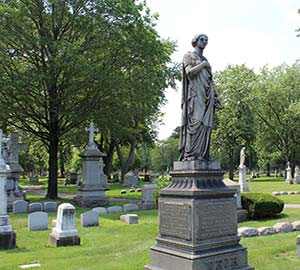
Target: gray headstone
x,y
50,206
90,218
100,210
114,209
38,221
20,207
130,207
130,180
247,232
266,230
129,218
35,207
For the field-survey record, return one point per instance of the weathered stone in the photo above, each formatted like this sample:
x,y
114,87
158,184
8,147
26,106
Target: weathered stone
x,y
130,207
266,230
237,188
100,210
129,218
283,193
296,225
20,207
247,232
38,221
283,227
148,200
50,206
35,207
138,190
64,233
90,218
291,192
123,191
91,192
197,221
276,193
114,209
130,179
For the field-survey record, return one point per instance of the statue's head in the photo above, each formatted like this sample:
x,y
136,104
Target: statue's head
x,y
200,41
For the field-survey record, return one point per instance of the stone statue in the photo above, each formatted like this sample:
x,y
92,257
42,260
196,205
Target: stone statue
x,y
199,100
242,157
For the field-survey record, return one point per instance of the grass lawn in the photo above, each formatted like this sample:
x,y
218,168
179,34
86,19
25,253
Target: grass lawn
x,y
118,246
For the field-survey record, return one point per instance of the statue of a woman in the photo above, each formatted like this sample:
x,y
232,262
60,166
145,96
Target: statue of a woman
x,y
199,100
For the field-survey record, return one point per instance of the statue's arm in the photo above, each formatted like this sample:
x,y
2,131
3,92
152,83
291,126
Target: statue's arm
x,y
193,70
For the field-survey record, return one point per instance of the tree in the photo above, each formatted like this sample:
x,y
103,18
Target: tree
x,y
236,122
62,58
277,106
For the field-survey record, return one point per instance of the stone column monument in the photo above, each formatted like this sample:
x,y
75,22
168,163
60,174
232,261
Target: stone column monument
x,y
7,235
15,193
242,171
296,175
197,212
91,192
288,179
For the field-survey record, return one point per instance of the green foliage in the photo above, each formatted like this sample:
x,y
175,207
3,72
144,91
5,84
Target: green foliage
x,y
261,205
236,122
162,182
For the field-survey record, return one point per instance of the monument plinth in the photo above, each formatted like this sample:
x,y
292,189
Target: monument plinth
x,y
91,192
197,222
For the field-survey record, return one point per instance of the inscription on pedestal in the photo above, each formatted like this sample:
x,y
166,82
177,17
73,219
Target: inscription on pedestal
x,y
216,219
224,263
175,220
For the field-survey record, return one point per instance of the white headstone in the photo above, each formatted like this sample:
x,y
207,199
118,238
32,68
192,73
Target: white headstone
x,y
148,200
38,221
242,171
130,218
65,221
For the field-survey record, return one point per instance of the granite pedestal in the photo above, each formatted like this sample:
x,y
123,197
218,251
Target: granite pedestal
x,y
198,222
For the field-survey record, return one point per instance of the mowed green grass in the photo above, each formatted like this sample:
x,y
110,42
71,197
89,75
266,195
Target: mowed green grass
x,y
119,246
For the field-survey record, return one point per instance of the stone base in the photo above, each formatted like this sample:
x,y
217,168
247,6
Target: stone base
x,y
234,259
91,201
7,240
64,241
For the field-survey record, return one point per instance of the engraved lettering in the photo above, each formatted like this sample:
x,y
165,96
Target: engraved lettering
x,y
175,220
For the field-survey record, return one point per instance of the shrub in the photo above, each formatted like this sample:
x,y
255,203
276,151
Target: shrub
x,y
162,182
261,205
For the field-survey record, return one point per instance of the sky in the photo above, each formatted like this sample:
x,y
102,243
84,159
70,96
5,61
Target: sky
x,y
251,32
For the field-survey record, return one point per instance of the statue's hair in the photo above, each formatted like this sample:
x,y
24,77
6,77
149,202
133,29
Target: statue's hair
x,y
196,38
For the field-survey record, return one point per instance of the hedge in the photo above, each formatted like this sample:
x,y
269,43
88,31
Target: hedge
x,y
261,205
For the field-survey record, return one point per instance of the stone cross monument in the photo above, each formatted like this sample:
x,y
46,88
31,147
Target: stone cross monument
x,y
91,192
7,236
242,171
197,211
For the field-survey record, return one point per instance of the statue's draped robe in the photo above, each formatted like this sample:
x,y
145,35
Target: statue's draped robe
x,y
198,98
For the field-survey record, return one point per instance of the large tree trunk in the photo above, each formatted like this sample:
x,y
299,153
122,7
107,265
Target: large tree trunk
x,y
108,159
53,166
125,165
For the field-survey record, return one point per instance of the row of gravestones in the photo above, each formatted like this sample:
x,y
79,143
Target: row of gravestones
x,y
63,231
21,206
38,221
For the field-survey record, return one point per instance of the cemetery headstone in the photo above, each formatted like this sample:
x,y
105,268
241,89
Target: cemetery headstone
x,y
148,200
34,179
91,192
288,174
64,233
38,221
89,219
7,235
297,175
129,218
114,209
130,179
197,212
100,210
50,206
20,207
35,207
242,171
130,207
